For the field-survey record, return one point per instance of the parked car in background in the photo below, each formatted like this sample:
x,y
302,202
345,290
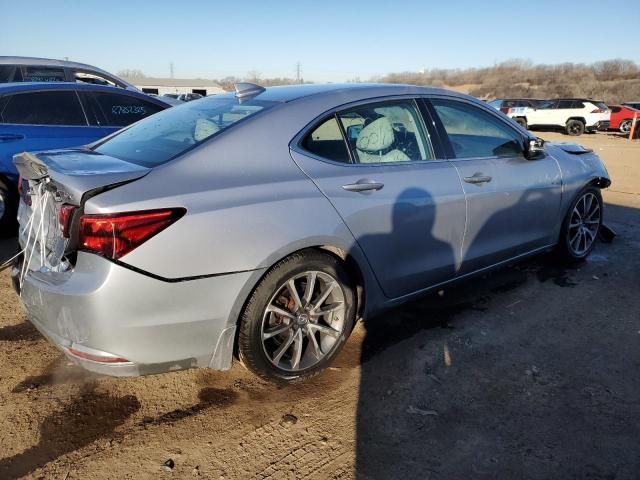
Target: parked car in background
x,y
635,105
571,115
267,221
171,100
187,97
39,116
622,117
31,69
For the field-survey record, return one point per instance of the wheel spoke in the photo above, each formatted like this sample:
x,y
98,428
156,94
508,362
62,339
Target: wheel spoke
x,y
308,290
328,309
595,210
277,355
325,330
592,235
281,311
324,296
587,207
313,342
272,332
577,213
297,350
574,238
291,286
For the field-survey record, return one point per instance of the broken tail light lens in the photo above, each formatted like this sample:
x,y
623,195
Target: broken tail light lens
x,y
115,235
64,217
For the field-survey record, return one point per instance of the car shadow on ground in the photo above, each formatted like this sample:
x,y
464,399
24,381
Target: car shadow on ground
x,y
519,375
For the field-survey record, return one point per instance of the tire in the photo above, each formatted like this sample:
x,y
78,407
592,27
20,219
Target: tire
x,y
8,210
268,341
521,121
625,126
575,128
580,231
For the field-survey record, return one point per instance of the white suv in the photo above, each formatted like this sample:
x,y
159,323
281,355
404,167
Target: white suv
x,y
573,115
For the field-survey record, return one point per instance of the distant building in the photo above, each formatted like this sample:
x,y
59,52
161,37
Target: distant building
x,y
160,86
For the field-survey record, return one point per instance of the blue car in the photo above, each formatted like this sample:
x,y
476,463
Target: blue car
x,y
44,116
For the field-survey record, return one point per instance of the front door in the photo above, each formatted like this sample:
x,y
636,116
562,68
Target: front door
x,y
512,203
405,207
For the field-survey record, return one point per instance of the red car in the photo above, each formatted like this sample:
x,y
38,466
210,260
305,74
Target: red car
x,y
621,117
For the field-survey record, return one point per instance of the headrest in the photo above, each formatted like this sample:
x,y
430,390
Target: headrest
x,y
376,136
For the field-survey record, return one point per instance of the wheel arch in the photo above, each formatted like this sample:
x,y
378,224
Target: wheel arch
x,y
581,119
353,266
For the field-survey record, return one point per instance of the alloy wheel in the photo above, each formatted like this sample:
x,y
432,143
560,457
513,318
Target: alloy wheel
x,y
584,224
303,321
625,126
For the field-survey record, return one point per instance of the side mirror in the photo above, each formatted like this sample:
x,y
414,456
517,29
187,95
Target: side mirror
x,y
534,148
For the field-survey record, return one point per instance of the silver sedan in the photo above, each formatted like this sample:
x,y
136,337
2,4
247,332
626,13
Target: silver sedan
x,y
262,224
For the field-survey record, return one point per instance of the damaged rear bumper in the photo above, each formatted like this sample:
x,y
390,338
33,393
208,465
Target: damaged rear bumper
x,y
101,311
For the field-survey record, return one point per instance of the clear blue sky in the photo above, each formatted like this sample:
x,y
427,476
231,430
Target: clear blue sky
x,y
333,40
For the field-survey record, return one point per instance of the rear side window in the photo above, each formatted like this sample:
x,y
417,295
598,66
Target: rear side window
x,y
326,141
44,108
566,104
159,138
118,110
615,109
43,74
475,133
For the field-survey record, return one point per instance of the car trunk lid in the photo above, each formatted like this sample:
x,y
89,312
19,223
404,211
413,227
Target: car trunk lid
x,y
52,179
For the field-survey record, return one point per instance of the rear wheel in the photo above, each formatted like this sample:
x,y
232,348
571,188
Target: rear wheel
x,y
581,225
8,210
521,121
575,127
625,127
298,318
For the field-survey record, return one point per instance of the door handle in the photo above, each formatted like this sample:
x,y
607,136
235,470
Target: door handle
x,y
9,137
477,178
363,185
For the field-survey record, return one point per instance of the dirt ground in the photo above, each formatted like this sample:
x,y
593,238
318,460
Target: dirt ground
x,y
530,372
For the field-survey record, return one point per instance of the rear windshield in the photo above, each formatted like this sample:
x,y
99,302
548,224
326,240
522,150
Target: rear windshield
x,y
167,134
601,105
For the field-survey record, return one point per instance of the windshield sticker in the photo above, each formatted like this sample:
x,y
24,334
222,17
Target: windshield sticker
x,y
128,110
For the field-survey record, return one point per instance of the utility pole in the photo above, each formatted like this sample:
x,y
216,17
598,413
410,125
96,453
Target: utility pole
x,y
170,69
298,66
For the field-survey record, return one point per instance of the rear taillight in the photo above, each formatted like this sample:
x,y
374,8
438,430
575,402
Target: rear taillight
x,y
598,110
64,217
115,235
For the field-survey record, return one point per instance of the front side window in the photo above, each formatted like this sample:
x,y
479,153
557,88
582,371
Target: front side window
x,y
119,110
43,74
159,138
44,108
475,133
386,132
547,105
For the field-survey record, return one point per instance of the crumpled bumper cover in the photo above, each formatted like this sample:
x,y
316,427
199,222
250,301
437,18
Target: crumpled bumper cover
x,y
156,326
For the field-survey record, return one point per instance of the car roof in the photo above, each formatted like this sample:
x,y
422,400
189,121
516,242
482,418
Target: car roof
x,y
40,86
289,93
52,62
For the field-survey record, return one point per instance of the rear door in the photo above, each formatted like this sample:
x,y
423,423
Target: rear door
x,y
111,111
400,198
41,121
512,203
